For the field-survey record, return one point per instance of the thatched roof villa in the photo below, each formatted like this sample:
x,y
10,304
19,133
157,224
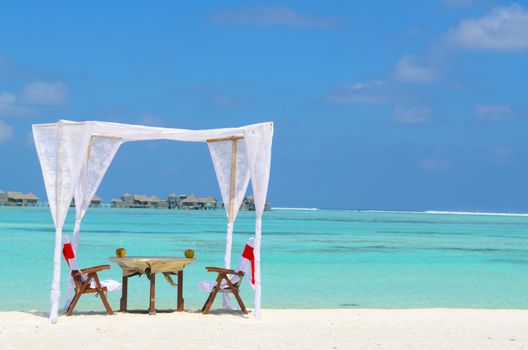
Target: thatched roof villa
x,y
139,201
196,203
18,199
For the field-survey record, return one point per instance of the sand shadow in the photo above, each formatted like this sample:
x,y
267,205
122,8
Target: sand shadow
x,y
37,313
146,311
216,312
61,314
223,312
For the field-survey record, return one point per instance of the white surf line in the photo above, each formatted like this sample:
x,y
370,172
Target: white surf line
x,y
305,209
473,213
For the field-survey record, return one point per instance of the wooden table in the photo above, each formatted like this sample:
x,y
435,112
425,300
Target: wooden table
x,y
150,265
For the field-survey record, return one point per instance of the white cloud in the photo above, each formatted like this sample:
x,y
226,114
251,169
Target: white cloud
x,y
495,113
504,28
6,132
7,100
9,106
412,115
360,92
435,165
409,69
45,93
269,16
501,155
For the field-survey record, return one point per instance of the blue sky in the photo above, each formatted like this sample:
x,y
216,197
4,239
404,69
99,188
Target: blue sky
x,y
391,105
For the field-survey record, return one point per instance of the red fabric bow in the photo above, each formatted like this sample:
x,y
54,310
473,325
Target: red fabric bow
x,y
68,253
248,254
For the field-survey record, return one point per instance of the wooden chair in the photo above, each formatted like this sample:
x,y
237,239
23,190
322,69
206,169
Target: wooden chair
x,y
82,279
86,280
225,285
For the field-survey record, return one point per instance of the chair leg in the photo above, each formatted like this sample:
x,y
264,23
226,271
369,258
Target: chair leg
x,y
240,302
207,301
78,293
237,296
73,303
213,294
102,295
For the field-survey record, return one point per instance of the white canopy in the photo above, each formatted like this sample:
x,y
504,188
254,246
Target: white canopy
x,y
74,157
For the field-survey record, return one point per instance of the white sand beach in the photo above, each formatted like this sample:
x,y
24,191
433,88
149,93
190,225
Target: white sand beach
x,y
279,329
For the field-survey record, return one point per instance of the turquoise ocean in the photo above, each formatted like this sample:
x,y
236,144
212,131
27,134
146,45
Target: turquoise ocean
x,y
310,259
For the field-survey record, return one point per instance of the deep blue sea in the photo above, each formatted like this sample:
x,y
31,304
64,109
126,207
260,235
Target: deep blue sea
x,y
310,259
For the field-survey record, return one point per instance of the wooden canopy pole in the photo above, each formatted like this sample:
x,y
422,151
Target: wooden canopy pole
x,y
231,209
232,179
226,138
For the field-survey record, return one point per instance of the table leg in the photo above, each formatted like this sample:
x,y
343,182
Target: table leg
x,y
124,294
180,290
152,309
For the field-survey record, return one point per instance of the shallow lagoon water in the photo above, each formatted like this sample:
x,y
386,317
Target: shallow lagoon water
x,y
310,259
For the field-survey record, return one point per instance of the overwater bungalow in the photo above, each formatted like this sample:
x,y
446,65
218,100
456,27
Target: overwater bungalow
x,y
174,200
248,204
18,199
96,202
144,201
139,201
196,203
3,197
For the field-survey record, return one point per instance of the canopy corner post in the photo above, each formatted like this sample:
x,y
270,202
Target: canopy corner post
x,y
231,214
55,284
256,252
232,187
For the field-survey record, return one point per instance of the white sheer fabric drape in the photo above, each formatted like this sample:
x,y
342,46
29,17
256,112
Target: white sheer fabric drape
x,y
259,152
101,151
61,150
222,157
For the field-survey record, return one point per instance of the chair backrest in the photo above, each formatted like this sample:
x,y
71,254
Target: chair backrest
x,y
245,261
69,254
71,260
